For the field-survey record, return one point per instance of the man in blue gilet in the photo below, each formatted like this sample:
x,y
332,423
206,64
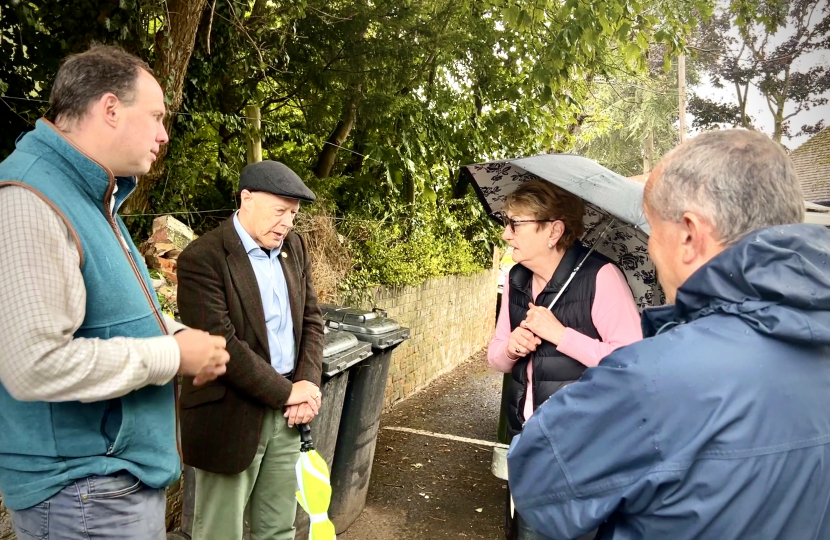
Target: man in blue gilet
x,y
87,414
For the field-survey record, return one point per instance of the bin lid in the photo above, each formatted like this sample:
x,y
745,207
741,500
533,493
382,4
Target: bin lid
x,y
342,350
358,321
337,342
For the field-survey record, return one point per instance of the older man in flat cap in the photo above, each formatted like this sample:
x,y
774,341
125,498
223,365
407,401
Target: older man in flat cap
x,y
250,281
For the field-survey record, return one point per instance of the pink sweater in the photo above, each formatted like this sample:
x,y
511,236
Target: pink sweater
x,y
613,313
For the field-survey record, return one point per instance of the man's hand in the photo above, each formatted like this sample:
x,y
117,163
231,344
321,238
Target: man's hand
x,y
203,356
303,404
299,414
305,392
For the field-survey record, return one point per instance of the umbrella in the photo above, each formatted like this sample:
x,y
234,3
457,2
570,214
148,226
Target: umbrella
x,y
614,222
314,493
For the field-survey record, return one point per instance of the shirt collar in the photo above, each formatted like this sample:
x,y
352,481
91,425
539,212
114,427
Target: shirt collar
x,y
250,245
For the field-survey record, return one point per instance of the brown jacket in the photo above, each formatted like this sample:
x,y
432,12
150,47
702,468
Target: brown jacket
x,y
218,293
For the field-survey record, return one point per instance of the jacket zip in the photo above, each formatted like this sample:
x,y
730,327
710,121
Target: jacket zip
x,y
111,220
110,444
122,243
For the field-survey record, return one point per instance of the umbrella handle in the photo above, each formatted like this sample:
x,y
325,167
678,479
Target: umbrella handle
x,y
305,437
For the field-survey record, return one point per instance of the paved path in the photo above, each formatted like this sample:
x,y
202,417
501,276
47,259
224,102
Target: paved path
x,y
424,487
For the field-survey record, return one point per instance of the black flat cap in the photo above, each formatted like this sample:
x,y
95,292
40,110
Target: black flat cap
x,y
274,177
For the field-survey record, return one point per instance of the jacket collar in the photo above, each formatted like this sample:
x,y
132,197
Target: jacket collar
x,y
521,277
95,179
773,278
657,320
244,278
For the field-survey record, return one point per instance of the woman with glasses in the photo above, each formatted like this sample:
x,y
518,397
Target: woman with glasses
x,y
545,350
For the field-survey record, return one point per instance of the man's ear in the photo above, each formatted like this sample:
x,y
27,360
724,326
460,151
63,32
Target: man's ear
x,y
246,198
696,235
109,105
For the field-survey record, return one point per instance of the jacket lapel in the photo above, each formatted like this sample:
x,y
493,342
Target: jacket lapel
x,y
245,281
291,270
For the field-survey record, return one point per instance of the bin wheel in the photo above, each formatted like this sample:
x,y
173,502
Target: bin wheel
x,y
178,535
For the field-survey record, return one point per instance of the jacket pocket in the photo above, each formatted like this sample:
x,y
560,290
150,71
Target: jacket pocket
x,y
202,395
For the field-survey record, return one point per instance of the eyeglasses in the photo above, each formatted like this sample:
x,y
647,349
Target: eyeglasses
x,y
511,223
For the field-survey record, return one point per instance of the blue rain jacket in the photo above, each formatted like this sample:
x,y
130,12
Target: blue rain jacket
x,y
717,426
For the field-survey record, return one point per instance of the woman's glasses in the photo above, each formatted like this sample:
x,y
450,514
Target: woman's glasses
x,y
511,223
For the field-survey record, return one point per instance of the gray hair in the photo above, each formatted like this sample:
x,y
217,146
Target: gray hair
x,y
83,78
736,179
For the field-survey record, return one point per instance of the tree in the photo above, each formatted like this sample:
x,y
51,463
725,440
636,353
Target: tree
x,y
761,43
173,47
631,118
377,104
36,36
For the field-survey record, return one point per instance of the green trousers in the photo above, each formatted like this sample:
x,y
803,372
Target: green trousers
x,y
267,487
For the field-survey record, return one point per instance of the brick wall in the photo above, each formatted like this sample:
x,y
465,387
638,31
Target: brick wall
x,y
450,319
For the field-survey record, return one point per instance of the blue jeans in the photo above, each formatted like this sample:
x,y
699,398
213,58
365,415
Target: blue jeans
x,y
96,508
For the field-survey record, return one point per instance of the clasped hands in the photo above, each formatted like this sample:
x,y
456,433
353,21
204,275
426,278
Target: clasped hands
x,y
303,404
539,324
204,357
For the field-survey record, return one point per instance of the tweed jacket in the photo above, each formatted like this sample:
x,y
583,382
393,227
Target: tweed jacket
x,y
218,293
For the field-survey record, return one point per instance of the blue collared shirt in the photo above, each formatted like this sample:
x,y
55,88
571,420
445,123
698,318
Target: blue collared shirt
x,y
274,293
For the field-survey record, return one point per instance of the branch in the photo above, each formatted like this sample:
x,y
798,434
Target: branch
x,y
210,25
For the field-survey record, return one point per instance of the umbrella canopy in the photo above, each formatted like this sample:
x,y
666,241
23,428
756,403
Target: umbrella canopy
x,y
314,488
607,195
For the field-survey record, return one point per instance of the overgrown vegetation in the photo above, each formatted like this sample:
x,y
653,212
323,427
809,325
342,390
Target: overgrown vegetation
x,y
376,104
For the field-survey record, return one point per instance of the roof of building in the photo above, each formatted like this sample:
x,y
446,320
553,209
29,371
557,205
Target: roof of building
x,y
812,165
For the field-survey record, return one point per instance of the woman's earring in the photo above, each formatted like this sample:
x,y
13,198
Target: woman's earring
x,y
550,246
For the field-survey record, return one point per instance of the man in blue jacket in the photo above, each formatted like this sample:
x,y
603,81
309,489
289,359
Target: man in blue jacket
x,y
717,425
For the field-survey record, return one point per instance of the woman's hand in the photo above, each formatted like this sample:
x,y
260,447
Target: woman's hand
x,y
521,343
543,324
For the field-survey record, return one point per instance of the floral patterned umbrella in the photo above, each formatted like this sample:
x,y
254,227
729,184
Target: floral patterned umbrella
x,y
607,195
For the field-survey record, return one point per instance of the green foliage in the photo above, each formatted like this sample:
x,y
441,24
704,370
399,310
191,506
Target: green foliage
x,y
36,36
411,91
624,110
429,242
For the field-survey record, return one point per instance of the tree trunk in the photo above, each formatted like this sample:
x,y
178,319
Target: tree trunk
x,y
359,148
174,46
409,188
328,154
781,102
459,189
258,9
648,151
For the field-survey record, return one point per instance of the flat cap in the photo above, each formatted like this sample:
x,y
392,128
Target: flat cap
x,y
275,178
